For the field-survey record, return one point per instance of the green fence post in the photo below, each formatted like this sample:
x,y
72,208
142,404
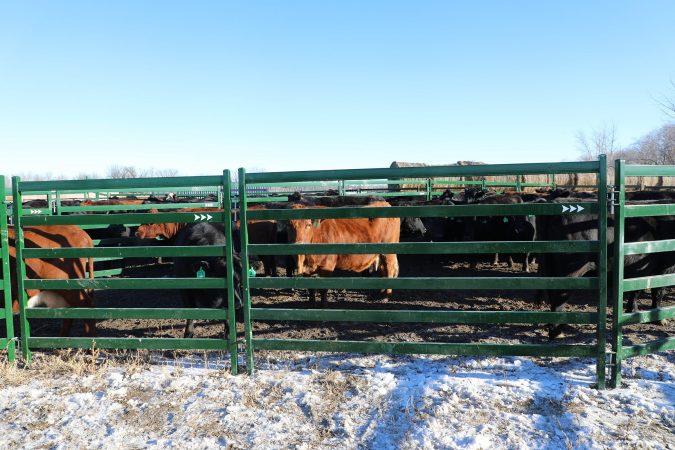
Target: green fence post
x,y
617,303
6,282
58,203
231,314
602,272
246,294
17,212
341,187
429,189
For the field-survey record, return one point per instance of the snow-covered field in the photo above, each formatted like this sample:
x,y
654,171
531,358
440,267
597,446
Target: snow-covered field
x,y
338,401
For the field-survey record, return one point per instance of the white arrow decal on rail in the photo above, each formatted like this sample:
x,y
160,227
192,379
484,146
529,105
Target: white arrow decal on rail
x,y
580,208
573,208
209,217
35,211
565,208
196,216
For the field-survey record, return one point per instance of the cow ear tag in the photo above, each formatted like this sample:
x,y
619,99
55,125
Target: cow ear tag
x,y
506,219
201,273
316,223
251,272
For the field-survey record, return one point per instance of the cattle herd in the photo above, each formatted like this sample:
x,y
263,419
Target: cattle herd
x,y
569,227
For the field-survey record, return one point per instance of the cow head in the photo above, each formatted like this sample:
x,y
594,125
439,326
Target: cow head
x,y
301,231
217,268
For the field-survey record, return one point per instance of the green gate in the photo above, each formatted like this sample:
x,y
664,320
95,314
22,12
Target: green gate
x,y
248,182
127,216
7,341
622,285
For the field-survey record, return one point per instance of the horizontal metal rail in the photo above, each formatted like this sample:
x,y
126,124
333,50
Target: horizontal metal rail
x,y
124,252
667,209
147,206
127,283
477,349
487,283
441,316
107,219
652,315
423,172
127,313
636,170
130,343
119,184
648,347
521,209
656,281
637,248
413,248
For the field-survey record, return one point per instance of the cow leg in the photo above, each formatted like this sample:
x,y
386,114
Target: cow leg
x,y
632,300
90,327
324,298
495,261
657,297
189,329
312,297
66,327
526,263
558,300
389,269
512,263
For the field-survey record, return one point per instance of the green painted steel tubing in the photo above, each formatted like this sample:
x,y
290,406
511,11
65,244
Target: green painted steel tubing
x,y
435,348
403,316
103,219
129,343
127,313
119,184
6,289
487,283
127,283
37,211
424,172
521,209
107,273
661,345
158,206
124,252
651,315
636,248
635,170
656,281
419,248
3,313
245,280
618,272
601,329
667,209
20,294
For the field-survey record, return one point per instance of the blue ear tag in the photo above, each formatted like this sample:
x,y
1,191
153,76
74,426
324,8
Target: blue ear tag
x,y
251,272
201,273
506,219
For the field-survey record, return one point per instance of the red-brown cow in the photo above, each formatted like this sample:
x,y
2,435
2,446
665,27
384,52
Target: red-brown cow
x,y
346,231
55,236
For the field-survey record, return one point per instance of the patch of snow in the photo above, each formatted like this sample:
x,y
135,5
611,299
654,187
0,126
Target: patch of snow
x,y
348,401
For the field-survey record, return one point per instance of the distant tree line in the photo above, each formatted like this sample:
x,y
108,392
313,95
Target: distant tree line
x,y
655,147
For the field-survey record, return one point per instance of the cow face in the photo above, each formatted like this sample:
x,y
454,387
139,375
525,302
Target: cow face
x,y
301,232
152,231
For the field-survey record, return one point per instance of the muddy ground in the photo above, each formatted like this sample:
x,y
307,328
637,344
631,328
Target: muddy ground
x,y
410,266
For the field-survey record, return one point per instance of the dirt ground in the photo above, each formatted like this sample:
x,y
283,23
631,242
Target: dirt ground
x,y
410,266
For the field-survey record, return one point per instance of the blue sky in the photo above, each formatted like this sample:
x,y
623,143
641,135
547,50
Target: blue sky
x,y
202,86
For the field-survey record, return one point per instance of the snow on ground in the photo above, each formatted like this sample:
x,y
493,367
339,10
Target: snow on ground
x,y
343,401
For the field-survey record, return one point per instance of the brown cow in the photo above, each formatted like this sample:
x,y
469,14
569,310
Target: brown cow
x,y
55,236
346,231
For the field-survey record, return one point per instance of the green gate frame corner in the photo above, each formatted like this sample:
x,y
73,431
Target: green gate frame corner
x,y
130,215
621,284
7,341
599,283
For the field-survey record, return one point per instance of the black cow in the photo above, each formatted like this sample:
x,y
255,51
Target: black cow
x,y
580,227
204,233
